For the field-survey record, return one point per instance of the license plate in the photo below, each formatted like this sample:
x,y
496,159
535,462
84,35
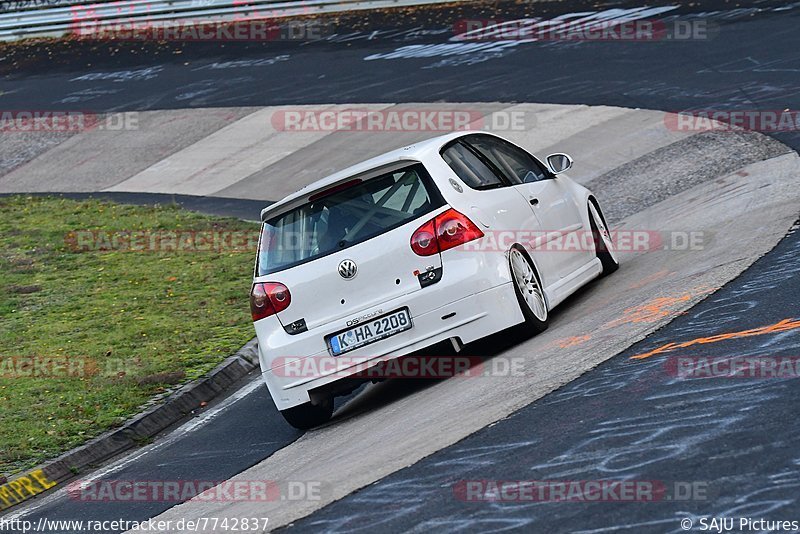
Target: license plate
x,y
370,332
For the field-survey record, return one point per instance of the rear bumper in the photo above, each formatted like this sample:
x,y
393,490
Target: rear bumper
x,y
469,318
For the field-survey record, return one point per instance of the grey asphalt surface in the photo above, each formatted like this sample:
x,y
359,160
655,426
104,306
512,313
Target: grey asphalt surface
x,y
735,68
733,439
738,433
667,171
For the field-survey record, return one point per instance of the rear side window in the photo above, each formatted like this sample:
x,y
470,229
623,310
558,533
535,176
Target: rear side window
x,y
470,168
346,217
515,164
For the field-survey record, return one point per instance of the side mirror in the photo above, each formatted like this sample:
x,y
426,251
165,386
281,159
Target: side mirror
x,y
559,163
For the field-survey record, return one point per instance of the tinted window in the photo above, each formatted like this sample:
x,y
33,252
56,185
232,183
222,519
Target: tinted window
x,y
470,168
346,217
516,164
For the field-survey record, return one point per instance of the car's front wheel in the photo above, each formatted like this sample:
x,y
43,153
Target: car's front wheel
x,y
529,290
309,415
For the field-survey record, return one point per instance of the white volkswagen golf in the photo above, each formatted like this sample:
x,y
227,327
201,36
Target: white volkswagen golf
x,y
456,237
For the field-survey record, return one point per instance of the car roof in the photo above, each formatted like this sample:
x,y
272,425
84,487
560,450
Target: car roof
x,y
416,152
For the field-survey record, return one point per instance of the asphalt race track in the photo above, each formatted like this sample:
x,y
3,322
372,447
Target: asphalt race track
x,y
625,419
750,61
397,455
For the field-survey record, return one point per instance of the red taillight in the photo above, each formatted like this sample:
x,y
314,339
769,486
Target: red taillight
x,y
447,230
268,298
423,241
454,228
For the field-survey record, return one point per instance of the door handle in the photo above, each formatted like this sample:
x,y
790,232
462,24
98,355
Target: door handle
x,y
534,202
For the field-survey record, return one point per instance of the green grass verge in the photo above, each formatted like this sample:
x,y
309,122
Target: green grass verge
x,y
88,337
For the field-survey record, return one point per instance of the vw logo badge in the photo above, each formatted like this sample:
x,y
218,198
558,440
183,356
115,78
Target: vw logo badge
x,y
348,269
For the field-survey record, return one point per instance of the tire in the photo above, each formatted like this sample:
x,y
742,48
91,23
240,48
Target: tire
x,y
603,246
528,288
308,415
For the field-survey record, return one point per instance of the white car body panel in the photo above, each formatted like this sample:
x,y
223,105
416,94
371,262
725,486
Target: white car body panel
x,y
474,298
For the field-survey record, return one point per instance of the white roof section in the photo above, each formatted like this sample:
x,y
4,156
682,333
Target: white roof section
x,y
416,152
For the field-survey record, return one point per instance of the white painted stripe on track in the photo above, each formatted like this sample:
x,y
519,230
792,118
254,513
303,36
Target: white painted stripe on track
x,y
251,158
225,157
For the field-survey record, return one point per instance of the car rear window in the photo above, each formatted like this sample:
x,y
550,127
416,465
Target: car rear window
x,y
346,217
